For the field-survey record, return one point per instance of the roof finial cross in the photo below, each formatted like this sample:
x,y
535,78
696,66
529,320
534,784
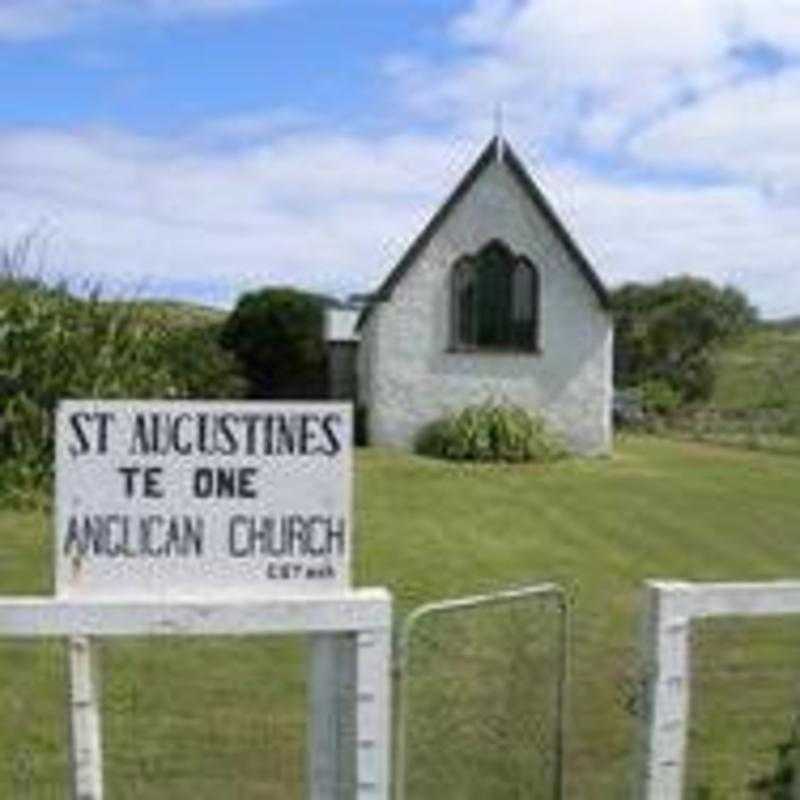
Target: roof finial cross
x,y
498,129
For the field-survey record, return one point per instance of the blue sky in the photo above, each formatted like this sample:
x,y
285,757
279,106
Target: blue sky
x,y
158,75
199,148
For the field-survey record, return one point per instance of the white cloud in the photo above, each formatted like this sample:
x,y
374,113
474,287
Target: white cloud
x,y
775,21
33,19
728,234
333,213
22,20
179,8
594,69
575,58
315,211
749,131
254,127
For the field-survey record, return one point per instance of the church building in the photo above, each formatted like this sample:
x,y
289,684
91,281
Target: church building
x,y
493,300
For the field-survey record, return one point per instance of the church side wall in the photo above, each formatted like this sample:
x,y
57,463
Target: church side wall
x,y
365,374
341,363
414,378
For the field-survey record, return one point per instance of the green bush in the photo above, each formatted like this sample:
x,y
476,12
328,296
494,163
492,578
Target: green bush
x,y
779,783
490,432
276,335
659,397
203,369
671,331
54,345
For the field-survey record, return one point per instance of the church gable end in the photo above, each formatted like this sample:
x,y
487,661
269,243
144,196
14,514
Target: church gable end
x,y
493,299
496,150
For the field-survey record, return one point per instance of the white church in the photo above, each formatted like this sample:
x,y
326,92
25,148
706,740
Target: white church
x,y
493,299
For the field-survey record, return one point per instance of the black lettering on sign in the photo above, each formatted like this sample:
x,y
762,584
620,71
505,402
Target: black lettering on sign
x,y
219,482
320,573
292,536
91,432
141,481
123,536
229,445
144,440
179,444
329,424
278,571
226,434
83,439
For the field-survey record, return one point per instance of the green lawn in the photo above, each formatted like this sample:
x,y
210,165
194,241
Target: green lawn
x,y
184,717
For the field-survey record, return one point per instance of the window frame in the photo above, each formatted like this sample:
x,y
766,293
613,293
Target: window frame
x,y
471,262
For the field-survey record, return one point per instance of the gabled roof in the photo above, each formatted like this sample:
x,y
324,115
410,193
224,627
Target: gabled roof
x,y
496,149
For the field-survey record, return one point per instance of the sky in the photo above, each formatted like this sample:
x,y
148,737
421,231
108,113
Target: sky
x,y
197,149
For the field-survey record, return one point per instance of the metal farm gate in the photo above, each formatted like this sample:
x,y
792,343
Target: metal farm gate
x,y
480,697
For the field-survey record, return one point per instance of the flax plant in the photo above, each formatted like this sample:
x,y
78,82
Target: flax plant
x,y
57,344
491,431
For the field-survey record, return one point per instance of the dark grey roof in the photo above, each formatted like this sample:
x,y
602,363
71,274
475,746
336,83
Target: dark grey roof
x,y
512,161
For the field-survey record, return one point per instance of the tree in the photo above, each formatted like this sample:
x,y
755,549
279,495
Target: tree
x,y
669,332
276,335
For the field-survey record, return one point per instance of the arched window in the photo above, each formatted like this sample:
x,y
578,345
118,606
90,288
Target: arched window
x,y
495,301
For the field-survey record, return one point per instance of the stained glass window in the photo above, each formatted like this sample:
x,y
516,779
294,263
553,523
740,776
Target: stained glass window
x,y
495,301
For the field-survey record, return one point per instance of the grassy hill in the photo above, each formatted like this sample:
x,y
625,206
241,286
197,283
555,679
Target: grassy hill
x,y
223,718
762,370
177,313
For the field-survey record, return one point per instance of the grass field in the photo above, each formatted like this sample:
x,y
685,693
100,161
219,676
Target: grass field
x,y
185,719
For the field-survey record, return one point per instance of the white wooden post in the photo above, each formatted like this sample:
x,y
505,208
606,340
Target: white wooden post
x,y
671,607
86,749
373,722
332,735
350,745
668,618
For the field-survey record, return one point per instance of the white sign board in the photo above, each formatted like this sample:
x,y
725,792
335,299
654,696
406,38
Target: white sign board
x,y
203,499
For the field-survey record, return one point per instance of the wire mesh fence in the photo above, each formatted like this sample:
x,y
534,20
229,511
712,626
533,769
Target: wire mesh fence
x,y
191,718
200,718
481,696
744,737
606,702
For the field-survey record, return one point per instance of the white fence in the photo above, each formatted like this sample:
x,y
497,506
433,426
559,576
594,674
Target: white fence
x,y
671,608
364,616
352,641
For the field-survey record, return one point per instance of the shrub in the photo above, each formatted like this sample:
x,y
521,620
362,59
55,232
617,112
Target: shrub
x,y
659,397
779,784
276,335
490,432
201,366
